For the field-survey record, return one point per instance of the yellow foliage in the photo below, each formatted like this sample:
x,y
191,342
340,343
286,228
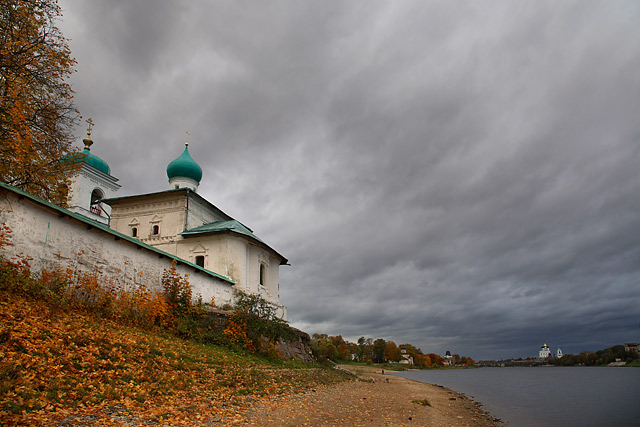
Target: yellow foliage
x,y
36,109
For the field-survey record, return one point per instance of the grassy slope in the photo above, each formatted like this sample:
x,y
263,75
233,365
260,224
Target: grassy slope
x,y
58,363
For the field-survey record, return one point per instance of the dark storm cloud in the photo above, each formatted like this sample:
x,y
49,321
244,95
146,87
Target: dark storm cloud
x,y
456,175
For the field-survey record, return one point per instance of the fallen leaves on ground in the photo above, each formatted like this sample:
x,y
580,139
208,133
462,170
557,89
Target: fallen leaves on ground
x,y
60,364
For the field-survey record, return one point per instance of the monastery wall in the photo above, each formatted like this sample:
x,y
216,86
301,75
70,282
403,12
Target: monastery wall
x,y
54,237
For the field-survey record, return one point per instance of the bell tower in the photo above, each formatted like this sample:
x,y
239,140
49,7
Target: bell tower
x,y
92,183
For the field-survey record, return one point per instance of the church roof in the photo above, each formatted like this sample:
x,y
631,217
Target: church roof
x,y
185,166
229,226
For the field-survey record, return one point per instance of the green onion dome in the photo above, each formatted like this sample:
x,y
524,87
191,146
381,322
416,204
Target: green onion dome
x,y
185,167
91,159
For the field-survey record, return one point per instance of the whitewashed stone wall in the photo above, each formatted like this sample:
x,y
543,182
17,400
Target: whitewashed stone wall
x,y
55,237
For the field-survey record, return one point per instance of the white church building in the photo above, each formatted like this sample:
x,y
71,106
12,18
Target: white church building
x,y
146,231
545,352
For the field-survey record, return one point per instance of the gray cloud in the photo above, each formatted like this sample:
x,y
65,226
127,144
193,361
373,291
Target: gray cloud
x,y
461,176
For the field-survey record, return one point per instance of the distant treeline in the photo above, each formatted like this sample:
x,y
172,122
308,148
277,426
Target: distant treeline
x,y
617,353
335,348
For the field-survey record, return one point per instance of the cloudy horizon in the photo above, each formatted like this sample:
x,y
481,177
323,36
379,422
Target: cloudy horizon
x,y
447,174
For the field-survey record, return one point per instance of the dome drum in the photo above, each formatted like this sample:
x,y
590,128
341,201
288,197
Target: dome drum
x,y
183,182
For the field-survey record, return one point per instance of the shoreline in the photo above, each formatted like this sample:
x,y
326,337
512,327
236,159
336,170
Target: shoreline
x,y
373,399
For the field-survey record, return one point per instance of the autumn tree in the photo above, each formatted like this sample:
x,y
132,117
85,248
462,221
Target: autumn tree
x,y
422,360
344,353
37,114
378,350
391,352
323,348
436,359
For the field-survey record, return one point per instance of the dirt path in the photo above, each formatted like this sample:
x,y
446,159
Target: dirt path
x,y
373,400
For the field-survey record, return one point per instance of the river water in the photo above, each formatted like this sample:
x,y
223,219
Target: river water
x,y
547,396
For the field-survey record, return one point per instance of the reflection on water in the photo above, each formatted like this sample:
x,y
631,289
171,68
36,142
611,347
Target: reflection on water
x,y
549,396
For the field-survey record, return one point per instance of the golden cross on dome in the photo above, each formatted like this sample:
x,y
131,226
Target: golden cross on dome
x,y
90,125
187,141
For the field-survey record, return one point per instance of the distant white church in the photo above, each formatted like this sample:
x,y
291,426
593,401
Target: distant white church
x,y
138,236
545,352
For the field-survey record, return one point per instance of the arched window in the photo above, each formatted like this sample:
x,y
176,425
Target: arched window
x,y
155,230
134,232
96,196
200,260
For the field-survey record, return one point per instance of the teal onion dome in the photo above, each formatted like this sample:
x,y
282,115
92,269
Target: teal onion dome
x,y
185,167
95,161
91,159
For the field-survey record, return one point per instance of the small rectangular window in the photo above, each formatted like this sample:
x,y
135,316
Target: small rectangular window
x,y
200,260
156,230
134,232
263,274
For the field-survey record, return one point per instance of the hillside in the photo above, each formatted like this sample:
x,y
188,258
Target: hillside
x,y
67,366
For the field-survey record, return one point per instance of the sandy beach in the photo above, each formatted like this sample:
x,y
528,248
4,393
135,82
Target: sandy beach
x,y
373,399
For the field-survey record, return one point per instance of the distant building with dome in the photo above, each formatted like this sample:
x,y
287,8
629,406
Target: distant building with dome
x,y
180,222
544,352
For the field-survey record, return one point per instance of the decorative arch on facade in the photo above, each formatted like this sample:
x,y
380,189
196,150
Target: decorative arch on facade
x,y
155,225
199,255
134,227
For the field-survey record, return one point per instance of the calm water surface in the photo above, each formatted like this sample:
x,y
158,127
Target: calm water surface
x,y
548,396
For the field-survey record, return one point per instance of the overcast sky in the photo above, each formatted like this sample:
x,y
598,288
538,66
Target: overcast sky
x,y
459,175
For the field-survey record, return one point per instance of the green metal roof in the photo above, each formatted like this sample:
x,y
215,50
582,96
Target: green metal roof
x,y
185,166
229,226
102,227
